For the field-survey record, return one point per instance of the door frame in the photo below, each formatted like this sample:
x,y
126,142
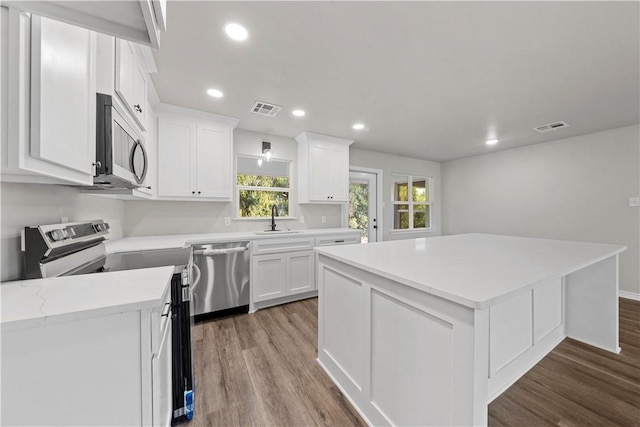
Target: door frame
x,y
379,201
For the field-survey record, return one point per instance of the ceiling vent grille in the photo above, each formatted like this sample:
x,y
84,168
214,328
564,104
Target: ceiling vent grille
x,y
551,126
265,109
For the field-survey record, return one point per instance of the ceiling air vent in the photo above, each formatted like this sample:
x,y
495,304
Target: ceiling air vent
x,y
551,126
265,109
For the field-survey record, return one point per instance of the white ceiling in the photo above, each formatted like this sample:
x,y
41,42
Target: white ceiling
x,y
431,80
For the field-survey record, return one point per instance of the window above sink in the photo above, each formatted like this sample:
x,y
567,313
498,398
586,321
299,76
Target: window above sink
x,y
260,185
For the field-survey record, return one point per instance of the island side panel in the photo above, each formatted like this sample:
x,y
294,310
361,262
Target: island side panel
x,y
523,329
400,355
592,304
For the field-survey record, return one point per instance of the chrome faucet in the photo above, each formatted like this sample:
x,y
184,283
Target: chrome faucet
x,y
273,217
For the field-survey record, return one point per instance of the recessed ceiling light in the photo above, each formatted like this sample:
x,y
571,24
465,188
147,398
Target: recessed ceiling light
x,y
491,141
236,31
298,113
215,93
358,126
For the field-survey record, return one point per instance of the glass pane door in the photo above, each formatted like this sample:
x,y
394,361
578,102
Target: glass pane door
x,y
362,205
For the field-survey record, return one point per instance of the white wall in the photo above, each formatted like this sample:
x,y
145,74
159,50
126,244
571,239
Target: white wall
x,y
155,217
390,164
572,189
37,204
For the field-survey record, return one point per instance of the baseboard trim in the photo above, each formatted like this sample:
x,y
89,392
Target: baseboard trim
x,y
629,295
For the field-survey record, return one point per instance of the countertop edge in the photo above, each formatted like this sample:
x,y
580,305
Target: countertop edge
x,y
473,304
44,319
175,241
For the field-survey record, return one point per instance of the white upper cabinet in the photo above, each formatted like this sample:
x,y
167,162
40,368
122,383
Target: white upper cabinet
x,y
176,151
130,81
195,155
140,21
323,168
214,158
63,103
50,100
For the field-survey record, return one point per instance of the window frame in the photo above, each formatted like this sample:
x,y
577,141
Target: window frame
x,y
410,203
237,189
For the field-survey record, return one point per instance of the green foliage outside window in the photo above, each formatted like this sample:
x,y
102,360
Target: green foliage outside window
x,y
359,207
263,181
413,213
402,189
256,202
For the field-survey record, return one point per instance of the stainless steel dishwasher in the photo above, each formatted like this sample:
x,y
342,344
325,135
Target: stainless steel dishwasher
x,y
221,283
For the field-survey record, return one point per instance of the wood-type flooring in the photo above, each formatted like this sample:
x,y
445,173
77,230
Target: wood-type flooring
x,y
260,370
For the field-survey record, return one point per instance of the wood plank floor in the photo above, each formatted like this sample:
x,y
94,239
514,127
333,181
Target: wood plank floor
x,y
260,370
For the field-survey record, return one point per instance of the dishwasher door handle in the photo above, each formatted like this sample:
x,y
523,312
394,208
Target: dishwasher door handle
x,y
211,252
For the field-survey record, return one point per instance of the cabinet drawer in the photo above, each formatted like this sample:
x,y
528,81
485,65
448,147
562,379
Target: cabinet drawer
x,y
338,239
268,246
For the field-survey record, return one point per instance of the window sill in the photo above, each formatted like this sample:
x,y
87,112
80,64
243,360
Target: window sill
x,y
264,218
413,231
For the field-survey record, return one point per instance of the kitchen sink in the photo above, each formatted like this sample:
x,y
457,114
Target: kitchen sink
x,y
276,232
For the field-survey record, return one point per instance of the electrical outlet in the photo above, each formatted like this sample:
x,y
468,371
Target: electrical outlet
x,y
634,201
301,219
64,220
324,219
227,220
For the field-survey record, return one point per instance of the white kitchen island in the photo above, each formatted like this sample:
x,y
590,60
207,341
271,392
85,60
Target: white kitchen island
x,y
429,331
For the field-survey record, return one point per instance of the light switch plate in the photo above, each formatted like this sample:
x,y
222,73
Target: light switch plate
x,y
227,220
634,201
301,219
324,219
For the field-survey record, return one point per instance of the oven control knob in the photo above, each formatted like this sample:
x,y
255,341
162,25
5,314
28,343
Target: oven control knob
x,y
57,235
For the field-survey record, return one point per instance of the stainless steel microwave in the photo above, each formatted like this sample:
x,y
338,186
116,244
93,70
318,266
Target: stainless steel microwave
x,y
121,159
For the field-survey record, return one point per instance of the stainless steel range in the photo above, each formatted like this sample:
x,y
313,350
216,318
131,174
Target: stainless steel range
x,y
78,248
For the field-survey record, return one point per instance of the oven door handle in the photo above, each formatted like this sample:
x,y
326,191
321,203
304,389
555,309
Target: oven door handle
x,y
212,252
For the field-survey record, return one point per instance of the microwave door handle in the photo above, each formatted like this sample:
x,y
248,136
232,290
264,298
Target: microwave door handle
x,y
137,145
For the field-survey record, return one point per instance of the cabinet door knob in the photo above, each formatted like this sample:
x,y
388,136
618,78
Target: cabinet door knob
x,y
198,192
138,108
193,192
97,164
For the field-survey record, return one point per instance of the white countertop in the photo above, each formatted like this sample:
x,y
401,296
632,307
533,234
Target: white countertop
x,y
145,243
34,302
28,303
475,270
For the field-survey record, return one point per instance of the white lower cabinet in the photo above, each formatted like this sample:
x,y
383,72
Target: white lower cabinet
x,y
268,276
283,268
299,267
112,369
279,275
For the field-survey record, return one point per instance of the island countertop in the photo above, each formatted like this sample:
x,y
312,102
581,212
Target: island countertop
x,y
474,270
